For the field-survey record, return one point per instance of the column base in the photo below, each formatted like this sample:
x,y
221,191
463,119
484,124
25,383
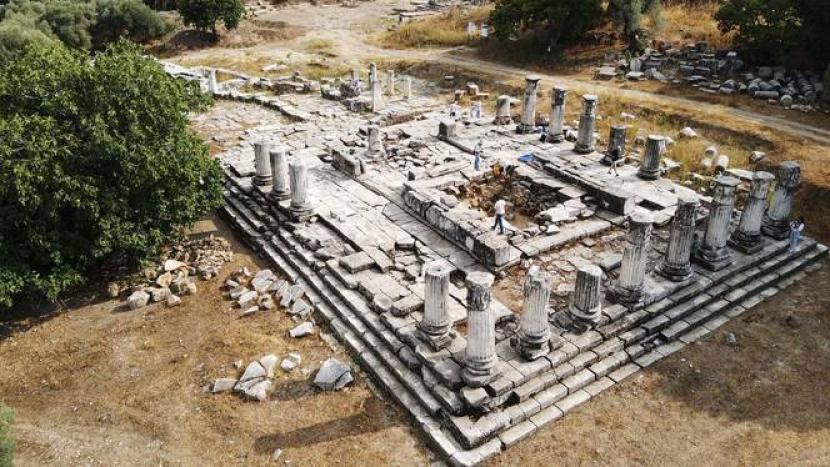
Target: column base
x,y
560,138
535,347
301,213
714,259
581,321
649,174
277,196
675,274
503,120
748,243
435,339
777,229
584,148
479,375
630,298
524,129
262,181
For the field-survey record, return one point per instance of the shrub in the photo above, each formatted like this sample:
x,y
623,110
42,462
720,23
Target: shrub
x,y
97,162
562,21
126,18
70,20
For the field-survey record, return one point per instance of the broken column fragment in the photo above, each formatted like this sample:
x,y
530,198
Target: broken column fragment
x,y
777,218
650,165
677,264
556,130
534,330
629,289
480,356
713,253
435,326
587,123
585,308
503,111
748,238
616,144
262,164
279,172
528,122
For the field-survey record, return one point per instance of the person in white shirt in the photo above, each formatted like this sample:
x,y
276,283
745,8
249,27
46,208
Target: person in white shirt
x,y
499,207
795,233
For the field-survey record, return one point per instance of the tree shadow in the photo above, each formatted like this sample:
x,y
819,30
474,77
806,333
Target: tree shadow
x,y
370,420
188,39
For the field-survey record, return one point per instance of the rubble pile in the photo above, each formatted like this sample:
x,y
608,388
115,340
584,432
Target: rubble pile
x,y
263,291
176,274
716,72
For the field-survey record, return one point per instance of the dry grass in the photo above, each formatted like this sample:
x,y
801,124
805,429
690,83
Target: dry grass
x,y
691,23
323,47
443,30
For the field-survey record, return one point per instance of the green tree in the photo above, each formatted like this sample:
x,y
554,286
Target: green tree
x,y
97,162
6,443
204,14
21,26
562,21
126,18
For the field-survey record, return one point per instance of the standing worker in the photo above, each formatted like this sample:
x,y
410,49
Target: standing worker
x,y
499,207
477,156
796,227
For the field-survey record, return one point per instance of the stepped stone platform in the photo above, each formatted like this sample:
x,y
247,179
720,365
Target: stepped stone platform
x,y
401,269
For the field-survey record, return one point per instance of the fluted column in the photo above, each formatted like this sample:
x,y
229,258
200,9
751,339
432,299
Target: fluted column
x,y
630,285
503,111
585,308
407,86
435,326
528,122
777,218
279,171
213,86
650,165
480,356
262,164
677,264
534,330
713,253
616,140
373,72
748,236
556,130
390,77
377,95
300,207
587,124
374,144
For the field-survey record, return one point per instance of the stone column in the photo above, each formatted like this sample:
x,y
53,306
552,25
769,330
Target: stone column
x,y
503,111
435,326
777,218
390,77
373,72
480,356
374,145
534,330
677,264
585,308
407,85
528,122
355,74
616,143
279,171
556,130
630,286
587,123
377,95
300,207
713,253
748,236
262,164
650,165
213,86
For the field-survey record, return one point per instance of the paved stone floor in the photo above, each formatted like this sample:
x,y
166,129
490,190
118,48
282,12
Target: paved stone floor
x,y
396,211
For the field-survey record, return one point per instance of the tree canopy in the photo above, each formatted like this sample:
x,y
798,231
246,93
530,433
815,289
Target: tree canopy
x,y
563,20
97,162
204,14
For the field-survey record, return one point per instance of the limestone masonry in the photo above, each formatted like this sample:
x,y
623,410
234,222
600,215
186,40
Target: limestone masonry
x,y
357,198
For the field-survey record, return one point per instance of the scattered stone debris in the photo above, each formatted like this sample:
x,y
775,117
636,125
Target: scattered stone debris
x,y
255,383
291,361
730,339
333,375
304,329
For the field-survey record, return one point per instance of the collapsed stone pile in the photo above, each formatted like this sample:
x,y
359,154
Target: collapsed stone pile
x,y
263,291
175,275
716,72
